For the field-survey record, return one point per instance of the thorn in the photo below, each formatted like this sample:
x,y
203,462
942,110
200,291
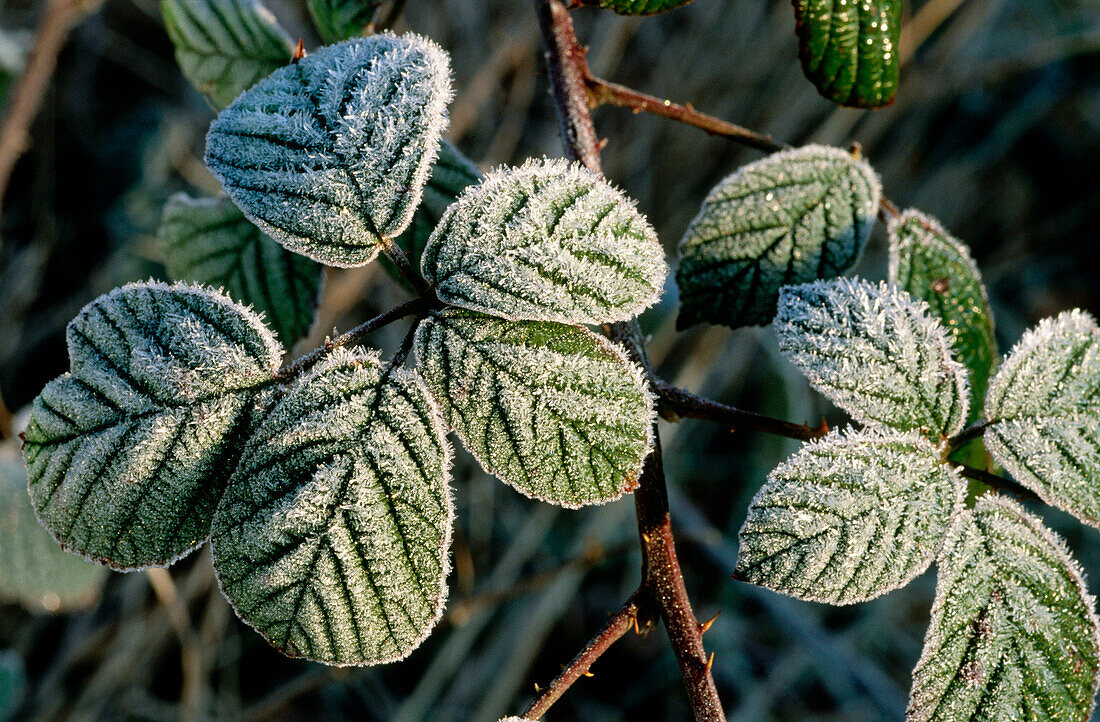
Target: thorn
x,y
645,537
299,51
588,673
710,662
856,151
706,625
601,145
689,106
537,689
636,630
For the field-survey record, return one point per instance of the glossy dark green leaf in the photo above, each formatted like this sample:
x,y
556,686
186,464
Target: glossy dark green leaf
x,y
637,7
338,20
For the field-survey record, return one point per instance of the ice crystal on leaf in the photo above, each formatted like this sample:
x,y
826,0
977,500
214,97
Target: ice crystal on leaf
x,y
332,539
849,517
1043,409
555,411
1013,635
549,241
329,155
793,217
876,353
129,452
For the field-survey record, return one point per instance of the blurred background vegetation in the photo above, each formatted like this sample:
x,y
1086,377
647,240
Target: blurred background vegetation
x,y
996,132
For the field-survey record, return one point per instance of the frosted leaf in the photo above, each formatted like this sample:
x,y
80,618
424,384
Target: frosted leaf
x,y
1043,407
849,49
793,217
555,411
451,174
549,241
338,20
931,265
225,46
637,7
209,241
129,452
849,517
34,570
330,155
332,540
876,353
1013,634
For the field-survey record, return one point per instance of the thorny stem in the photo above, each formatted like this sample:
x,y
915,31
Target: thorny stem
x,y
409,308
674,402
974,431
999,483
662,589
405,268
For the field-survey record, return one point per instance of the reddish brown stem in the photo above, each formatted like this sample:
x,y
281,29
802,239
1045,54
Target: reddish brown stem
x,y
662,591
675,402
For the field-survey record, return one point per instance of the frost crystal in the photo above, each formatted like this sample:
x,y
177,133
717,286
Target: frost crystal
x,y
549,241
1044,412
332,539
931,265
1013,635
129,452
793,217
330,155
209,241
849,517
224,46
876,353
555,411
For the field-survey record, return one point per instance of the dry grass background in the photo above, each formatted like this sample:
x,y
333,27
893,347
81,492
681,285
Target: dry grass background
x,y
996,131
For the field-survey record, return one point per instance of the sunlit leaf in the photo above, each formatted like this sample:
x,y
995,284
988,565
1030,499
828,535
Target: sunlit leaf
x,y
1013,634
549,241
329,155
555,411
849,517
130,451
793,217
333,537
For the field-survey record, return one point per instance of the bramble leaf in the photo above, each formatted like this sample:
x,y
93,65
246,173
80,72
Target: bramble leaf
x,y
329,155
13,683
793,217
876,353
225,46
931,265
1043,409
849,517
549,241
209,241
34,570
451,174
849,49
1013,635
637,7
338,20
129,452
333,537
555,411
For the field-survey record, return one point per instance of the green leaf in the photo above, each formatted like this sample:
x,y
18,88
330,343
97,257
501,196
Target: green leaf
x,y
225,46
329,156
1043,410
332,540
793,217
13,684
876,353
209,241
129,452
338,20
849,49
1013,635
931,265
637,7
549,241
34,570
555,411
451,174
849,517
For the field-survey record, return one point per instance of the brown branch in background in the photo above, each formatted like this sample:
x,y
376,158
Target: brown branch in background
x,y
191,690
58,19
674,402
396,8
616,627
662,589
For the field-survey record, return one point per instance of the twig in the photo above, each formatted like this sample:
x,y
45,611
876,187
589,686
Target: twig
x,y
190,655
409,308
405,268
59,18
999,483
616,627
675,402
662,586
974,431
